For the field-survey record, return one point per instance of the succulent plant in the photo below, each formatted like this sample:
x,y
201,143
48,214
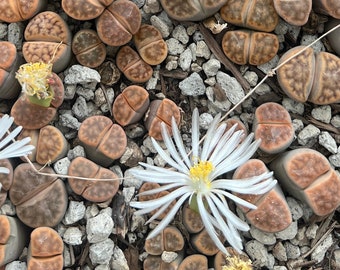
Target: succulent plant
x,y
88,48
48,40
103,140
255,48
191,10
9,64
295,12
130,106
258,14
13,238
6,179
194,262
42,200
132,65
203,243
233,261
20,10
329,7
307,175
94,190
192,220
310,76
334,37
161,111
45,250
273,125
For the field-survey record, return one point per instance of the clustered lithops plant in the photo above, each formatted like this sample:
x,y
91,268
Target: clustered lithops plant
x,y
196,178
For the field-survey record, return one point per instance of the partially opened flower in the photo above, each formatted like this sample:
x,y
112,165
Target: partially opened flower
x,y
195,177
9,147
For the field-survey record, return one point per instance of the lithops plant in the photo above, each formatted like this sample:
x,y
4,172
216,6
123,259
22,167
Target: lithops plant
x,y
48,40
161,111
20,10
257,14
310,76
272,213
307,175
255,48
191,10
103,140
295,12
41,200
89,50
329,7
45,250
94,190
9,63
13,238
132,65
334,37
150,44
153,262
203,243
273,125
130,106
192,219
6,179
194,262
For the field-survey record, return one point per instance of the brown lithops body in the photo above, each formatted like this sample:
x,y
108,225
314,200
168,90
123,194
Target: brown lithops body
x,y
295,12
42,200
89,50
310,76
51,146
130,106
272,213
6,179
192,220
119,22
85,9
203,244
48,40
150,44
13,238
273,125
12,11
329,7
254,14
161,111
134,68
9,63
255,48
308,176
191,10
45,251
194,262
103,141
94,190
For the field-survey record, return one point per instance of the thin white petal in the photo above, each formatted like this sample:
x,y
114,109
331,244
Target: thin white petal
x,y
11,136
195,133
160,177
17,149
4,170
159,189
235,198
5,124
158,212
209,141
179,142
244,183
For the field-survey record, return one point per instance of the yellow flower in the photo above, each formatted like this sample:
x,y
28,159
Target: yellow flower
x,y
34,79
236,263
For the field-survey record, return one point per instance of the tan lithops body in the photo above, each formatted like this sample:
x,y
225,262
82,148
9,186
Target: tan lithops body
x,y
94,190
310,76
42,200
254,14
308,176
84,9
89,50
192,220
9,63
118,23
13,238
272,213
255,48
51,146
191,10
150,44
203,243
12,11
333,37
161,111
329,7
194,262
273,125
104,141
48,40
295,12
134,68
45,251
6,179
153,262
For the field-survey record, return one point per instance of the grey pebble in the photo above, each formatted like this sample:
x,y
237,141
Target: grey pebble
x,y
80,109
263,237
185,59
308,136
180,34
327,141
101,252
231,86
192,86
99,228
319,252
288,233
74,213
118,260
211,67
322,113
174,46
78,74
73,236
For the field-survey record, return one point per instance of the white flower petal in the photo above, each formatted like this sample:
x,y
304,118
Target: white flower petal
x,y
195,133
164,177
4,170
5,124
17,149
235,198
158,212
179,143
210,141
10,137
160,189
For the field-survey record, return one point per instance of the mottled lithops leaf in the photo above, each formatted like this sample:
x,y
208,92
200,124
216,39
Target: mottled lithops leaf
x,y
295,12
84,9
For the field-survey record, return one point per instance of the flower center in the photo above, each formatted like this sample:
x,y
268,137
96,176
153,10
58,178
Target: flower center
x,y
199,174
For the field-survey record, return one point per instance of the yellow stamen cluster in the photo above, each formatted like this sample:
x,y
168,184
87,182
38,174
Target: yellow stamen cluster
x,y
201,171
34,78
236,263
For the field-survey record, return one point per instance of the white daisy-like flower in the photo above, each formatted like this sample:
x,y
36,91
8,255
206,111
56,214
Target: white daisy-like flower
x,y
9,147
196,178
